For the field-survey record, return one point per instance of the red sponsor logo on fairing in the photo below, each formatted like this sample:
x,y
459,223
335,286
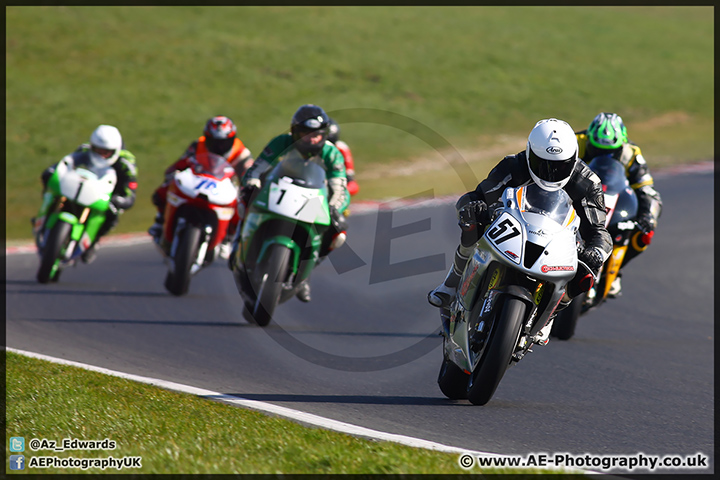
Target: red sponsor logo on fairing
x,y
556,268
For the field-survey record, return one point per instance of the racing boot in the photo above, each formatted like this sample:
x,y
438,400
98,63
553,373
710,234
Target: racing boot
x,y
441,296
89,255
615,288
303,293
156,228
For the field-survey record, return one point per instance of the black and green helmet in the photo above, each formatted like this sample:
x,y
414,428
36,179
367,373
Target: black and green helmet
x,y
607,131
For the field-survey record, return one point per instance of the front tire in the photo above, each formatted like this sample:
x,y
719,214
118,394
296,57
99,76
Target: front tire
x,y
178,282
269,280
57,239
501,345
566,320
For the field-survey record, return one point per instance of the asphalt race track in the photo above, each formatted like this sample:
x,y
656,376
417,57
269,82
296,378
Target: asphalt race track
x,y
637,376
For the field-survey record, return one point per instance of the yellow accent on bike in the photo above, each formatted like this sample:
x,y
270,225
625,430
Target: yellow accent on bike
x,y
539,293
494,279
635,244
612,266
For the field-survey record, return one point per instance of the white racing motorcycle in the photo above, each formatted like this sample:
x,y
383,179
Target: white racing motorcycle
x,y
509,290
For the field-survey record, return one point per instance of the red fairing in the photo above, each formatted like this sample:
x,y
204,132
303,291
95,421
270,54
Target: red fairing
x,y
200,202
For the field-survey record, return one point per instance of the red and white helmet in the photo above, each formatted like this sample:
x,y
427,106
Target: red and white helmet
x,y
219,134
552,153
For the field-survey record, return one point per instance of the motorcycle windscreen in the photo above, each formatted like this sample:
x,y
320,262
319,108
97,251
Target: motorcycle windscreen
x,y
611,173
305,173
555,205
208,163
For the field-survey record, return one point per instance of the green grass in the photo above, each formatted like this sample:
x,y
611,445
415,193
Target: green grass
x,y
470,74
180,433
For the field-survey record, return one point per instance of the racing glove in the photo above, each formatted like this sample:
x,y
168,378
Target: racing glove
x,y
472,213
246,195
593,258
646,223
339,222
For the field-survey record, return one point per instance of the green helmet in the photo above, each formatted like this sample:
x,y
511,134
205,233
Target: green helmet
x,y
607,131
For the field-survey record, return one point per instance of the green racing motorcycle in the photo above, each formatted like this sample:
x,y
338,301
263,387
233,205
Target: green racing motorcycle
x,y
282,235
75,201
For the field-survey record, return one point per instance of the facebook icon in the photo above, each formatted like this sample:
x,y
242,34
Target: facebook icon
x,y
17,462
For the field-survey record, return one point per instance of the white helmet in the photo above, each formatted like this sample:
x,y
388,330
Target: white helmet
x,y
105,145
552,152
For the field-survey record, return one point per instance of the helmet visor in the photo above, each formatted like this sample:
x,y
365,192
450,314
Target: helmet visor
x,y
551,170
103,152
220,146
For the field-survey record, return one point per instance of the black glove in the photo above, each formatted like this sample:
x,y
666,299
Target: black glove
x,y
115,202
593,258
339,222
246,194
472,213
646,223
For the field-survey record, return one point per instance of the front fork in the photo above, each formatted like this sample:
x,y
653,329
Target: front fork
x,y
202,248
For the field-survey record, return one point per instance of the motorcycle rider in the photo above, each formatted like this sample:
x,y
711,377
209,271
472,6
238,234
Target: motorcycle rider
x,y
607,135
219,137
309,129
106,149
334,137
550,159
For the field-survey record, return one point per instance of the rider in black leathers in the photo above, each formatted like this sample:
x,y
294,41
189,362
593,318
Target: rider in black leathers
x,y
549,138
607,135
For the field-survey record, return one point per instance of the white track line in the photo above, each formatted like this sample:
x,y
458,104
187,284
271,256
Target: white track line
x,y
297,415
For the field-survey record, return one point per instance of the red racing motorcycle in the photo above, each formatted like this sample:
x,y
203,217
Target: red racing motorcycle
x,y
201,202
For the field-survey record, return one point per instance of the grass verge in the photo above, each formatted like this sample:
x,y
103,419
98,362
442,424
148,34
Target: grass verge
x,y
177,433
470,74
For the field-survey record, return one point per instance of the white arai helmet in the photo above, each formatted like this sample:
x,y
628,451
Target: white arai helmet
x,y
552,152
105,145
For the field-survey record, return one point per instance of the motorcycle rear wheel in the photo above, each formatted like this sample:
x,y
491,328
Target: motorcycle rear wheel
x,y
496,359
56,241
453,382
178,282
269,281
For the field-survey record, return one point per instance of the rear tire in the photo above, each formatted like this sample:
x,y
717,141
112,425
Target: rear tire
x,y
269,289
453,382
178,282
566,320
57,239
501,345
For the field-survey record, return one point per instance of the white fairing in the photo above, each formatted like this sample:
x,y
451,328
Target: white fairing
x,y
217,192
85,186
510,231
300,203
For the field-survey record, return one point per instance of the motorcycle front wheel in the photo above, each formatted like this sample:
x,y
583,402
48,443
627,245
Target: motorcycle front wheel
x,y
57,239
496,359
269,278
178,282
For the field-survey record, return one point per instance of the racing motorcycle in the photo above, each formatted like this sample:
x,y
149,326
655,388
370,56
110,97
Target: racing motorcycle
x,y
621,207
509,290
75,201
201,201
281,237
